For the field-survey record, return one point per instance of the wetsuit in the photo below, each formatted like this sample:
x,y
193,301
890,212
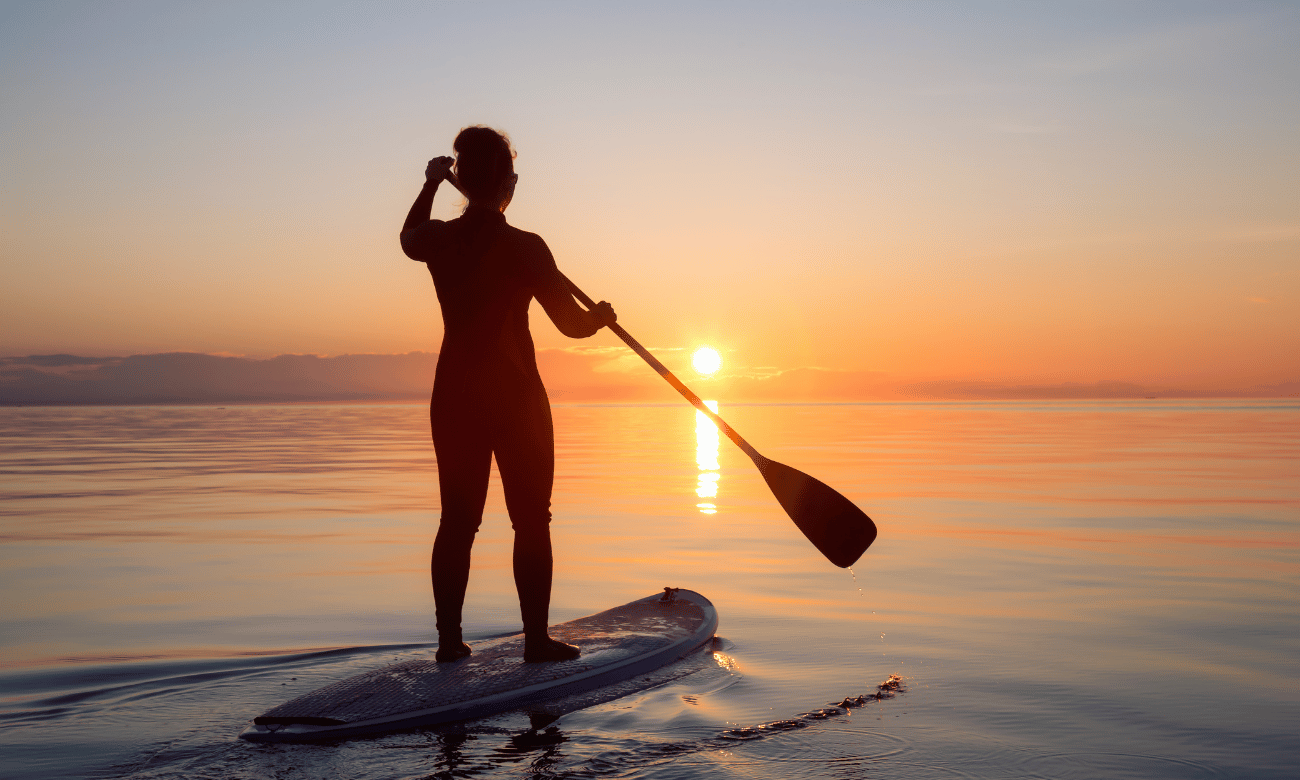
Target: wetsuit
x,y
488,398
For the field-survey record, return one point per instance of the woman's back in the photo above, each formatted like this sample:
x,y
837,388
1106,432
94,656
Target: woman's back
x,y
486,273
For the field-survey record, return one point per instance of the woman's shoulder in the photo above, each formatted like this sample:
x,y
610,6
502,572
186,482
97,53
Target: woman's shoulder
x,y
422,241
531,243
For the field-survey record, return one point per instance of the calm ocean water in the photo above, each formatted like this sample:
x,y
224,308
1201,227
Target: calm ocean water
x,y
1069,590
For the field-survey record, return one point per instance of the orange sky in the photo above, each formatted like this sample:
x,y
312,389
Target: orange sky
x,y
988,192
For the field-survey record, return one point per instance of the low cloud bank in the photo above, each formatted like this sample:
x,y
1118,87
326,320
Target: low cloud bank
x,y
188,377
574,375
992,391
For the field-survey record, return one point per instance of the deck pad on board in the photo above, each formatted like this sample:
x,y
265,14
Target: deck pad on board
x,y
616,644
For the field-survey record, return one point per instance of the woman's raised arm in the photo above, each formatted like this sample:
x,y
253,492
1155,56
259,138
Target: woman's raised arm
x,y
439,168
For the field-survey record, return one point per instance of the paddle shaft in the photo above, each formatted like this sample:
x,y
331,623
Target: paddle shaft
x,y
671,379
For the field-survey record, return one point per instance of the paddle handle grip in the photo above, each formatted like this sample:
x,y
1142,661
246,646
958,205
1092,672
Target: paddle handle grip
x,y
672,379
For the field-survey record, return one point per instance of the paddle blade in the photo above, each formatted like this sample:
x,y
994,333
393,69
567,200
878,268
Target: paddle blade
x,y
834,525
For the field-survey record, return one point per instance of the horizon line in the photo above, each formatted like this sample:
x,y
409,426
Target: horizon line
x,y
571,377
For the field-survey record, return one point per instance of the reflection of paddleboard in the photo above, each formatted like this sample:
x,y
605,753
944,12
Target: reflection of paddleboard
x,y
617,644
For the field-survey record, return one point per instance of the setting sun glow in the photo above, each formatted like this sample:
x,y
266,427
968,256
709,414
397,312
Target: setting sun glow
x,y
706,360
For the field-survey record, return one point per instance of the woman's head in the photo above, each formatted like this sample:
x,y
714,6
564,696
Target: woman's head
x,y
485,165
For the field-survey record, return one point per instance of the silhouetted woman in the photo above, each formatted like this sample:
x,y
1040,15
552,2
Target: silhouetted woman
x,y
488,398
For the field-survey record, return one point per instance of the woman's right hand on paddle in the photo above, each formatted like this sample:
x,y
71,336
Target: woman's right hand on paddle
x,y
604,314
438,169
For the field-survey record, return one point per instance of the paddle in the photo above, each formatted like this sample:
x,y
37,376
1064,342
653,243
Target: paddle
x,y
834,525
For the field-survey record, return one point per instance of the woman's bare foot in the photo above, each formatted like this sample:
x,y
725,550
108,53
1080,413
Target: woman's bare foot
x,y
545,649
448,652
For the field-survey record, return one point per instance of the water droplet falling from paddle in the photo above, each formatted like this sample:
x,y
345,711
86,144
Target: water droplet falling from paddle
x,y
855,583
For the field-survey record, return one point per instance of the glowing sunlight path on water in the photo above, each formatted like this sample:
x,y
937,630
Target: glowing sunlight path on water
x,y
706,457
706,360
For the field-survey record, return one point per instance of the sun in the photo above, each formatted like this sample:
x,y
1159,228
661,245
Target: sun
x,y
706,360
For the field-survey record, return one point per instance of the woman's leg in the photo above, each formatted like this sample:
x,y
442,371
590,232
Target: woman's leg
x,y
525,452
533,566
464,455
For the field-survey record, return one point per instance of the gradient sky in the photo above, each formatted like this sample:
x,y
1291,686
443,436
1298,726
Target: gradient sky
x,y
1012,192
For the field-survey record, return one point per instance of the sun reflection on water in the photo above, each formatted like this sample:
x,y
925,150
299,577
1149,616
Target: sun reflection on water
x,y
706,458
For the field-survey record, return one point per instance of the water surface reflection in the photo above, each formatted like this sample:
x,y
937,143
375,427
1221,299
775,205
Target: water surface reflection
x,y
706,459
1070,588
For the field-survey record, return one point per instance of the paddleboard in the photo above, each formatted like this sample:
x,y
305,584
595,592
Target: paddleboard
x,y
616,644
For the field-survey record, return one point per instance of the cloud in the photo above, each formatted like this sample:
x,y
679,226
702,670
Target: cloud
x,y
1281,390
993,391
580,374
50,361
188,377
